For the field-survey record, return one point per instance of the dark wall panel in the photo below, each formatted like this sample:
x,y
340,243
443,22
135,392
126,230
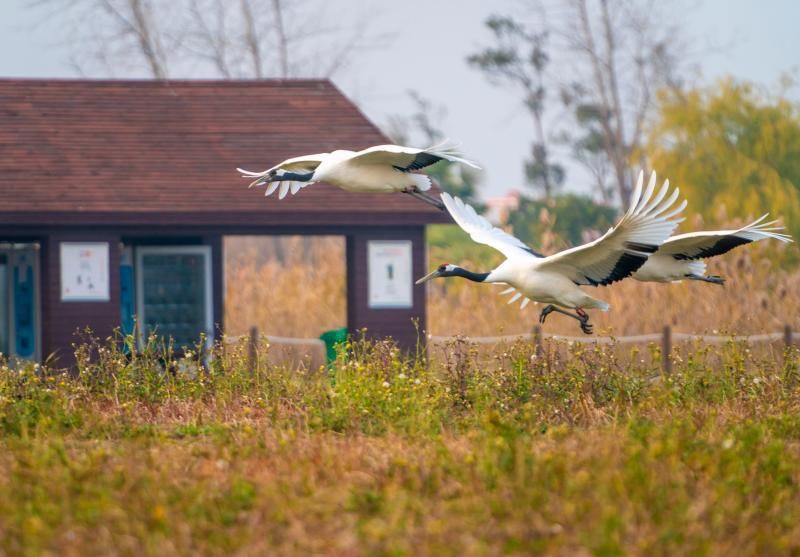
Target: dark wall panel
x,y
60,320
217,282
381,323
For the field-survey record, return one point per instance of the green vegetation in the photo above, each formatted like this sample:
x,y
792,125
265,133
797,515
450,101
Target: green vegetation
x,y
732,150
580,451
569,216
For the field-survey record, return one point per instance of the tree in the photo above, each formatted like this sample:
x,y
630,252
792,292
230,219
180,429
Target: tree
x,y
619,61
519,58
573,219
610,56
219,38
423,128
732,150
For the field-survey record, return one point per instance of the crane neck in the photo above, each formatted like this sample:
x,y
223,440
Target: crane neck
x,y
469,275
293,176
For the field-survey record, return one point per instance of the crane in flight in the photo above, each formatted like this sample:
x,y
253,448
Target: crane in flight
x,y
556,279
383,168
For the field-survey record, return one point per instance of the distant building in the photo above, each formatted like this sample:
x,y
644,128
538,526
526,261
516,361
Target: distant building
x,y
115,197
498,208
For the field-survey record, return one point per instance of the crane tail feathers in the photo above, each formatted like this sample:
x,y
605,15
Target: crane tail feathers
x,y
421,181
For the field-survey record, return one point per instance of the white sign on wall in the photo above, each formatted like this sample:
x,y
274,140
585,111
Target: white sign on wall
x,y
389,267
84,272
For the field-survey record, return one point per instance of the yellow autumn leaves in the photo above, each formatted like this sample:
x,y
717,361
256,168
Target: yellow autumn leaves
x,y
734,151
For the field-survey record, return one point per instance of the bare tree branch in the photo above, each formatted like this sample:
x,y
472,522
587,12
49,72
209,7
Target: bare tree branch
x,y
252,46
283,41
213,44
254,38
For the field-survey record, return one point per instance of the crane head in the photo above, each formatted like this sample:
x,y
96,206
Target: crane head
x,y
443,270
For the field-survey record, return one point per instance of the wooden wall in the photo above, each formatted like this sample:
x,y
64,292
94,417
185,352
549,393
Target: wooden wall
x,y
381,323
60,320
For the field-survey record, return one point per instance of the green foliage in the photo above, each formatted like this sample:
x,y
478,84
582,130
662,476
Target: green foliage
x,y
583,449
572,217
449,244
733,152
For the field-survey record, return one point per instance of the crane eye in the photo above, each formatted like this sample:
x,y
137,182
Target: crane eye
x,y
442,268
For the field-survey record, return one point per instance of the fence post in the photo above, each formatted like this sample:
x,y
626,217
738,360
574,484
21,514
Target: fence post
x,y
252,350
666,350
787,336
538,344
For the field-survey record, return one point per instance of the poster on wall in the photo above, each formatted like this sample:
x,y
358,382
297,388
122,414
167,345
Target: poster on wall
x,y
84,272
389,268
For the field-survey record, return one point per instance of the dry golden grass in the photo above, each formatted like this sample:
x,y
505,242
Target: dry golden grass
x,y
758,297
306,295
289,286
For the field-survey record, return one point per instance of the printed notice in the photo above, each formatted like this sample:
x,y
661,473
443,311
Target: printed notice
x,y
84,272
390,281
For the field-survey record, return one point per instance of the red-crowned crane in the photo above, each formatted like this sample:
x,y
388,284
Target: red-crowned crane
x,y
680,257
556,279
383,168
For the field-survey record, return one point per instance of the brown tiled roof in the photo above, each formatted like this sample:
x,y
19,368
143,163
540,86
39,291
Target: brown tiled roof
x,y
140,152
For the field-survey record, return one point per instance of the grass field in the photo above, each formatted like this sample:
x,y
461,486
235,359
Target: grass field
x,y
579,451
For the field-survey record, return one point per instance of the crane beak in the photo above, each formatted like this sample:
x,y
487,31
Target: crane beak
x,y
428,277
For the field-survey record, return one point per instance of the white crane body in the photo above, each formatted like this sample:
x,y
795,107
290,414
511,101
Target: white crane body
x,y
341,170
379,169
665,268
541,285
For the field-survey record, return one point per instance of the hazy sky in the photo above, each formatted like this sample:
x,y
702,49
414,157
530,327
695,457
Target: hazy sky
x,y
429,39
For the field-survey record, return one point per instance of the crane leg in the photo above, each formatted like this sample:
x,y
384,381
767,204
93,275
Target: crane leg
x,y
713,279
580,315
426,198
586,327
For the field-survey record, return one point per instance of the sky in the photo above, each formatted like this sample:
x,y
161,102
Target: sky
x,y
425,48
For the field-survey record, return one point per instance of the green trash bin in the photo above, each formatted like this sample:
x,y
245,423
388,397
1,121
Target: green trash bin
x,y
332,339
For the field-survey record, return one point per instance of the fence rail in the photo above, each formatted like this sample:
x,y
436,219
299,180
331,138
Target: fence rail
x,y
629,339
667,337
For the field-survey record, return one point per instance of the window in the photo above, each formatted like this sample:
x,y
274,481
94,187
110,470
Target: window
x,y
173,292
19,300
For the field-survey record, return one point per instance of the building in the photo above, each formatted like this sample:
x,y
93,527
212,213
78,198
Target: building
x,y
115,197
498,208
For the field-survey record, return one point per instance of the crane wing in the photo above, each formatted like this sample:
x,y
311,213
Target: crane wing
x,y
407,159
481,230
698,245
649,221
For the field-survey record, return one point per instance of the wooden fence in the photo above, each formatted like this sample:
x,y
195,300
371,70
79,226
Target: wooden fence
x,y
666,337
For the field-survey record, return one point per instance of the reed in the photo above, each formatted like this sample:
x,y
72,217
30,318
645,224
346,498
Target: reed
x,y
302,293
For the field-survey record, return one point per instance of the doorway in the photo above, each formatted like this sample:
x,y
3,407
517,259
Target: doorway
x,y
285,286
19,301
167,290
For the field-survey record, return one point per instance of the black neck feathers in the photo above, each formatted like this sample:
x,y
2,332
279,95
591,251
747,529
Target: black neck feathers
x,y
469,275
293,176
